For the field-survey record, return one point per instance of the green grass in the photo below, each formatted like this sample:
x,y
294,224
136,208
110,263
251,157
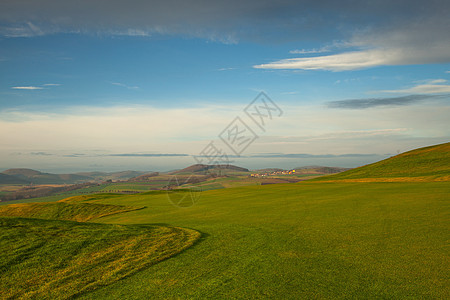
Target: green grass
x,y
39,199
296,241
429,163
320,240
48,259
80,212
135,186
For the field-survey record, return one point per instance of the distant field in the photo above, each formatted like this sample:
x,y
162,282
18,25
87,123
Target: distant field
x,y
134,186
154,183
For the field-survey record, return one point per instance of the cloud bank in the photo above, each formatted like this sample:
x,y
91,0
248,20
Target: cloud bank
x,y
225,20
421,39
390,101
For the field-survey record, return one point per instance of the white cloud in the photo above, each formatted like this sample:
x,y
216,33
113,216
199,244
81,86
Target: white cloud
x,y
435,81
41,87
356,60
125,86
26,30
420,41
337,62
27,88
435,86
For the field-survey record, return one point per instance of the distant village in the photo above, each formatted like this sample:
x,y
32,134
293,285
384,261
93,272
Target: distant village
x,y
284,172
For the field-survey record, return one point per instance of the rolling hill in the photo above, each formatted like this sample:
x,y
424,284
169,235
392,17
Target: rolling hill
x,y
144,177
424,164
10,179
319,170
103,176
205,169
38,177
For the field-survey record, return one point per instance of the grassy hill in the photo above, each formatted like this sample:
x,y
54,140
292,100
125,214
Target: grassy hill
x,y
206,169
143,177
103,176
319,170
38,177
9,179
424,164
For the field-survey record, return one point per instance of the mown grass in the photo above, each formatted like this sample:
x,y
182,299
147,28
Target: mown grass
x,y
80,212
297,241
49,259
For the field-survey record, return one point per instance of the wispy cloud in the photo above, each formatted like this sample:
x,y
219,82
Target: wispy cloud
x,y
339,62
132,32
39,87
225,69
41,153
311,51
26,29
27,88
435,86
125,86
373,102
148,154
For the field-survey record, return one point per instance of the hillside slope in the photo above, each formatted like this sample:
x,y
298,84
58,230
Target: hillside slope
x,y
9,179
38,177
204,169
424,164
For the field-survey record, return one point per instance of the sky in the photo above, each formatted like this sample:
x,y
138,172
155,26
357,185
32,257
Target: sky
x,y
160,85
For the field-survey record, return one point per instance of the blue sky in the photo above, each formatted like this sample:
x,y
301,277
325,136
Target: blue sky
x,y
88,88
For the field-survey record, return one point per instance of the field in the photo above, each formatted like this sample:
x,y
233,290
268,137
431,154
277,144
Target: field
x,y
320,240
311,239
